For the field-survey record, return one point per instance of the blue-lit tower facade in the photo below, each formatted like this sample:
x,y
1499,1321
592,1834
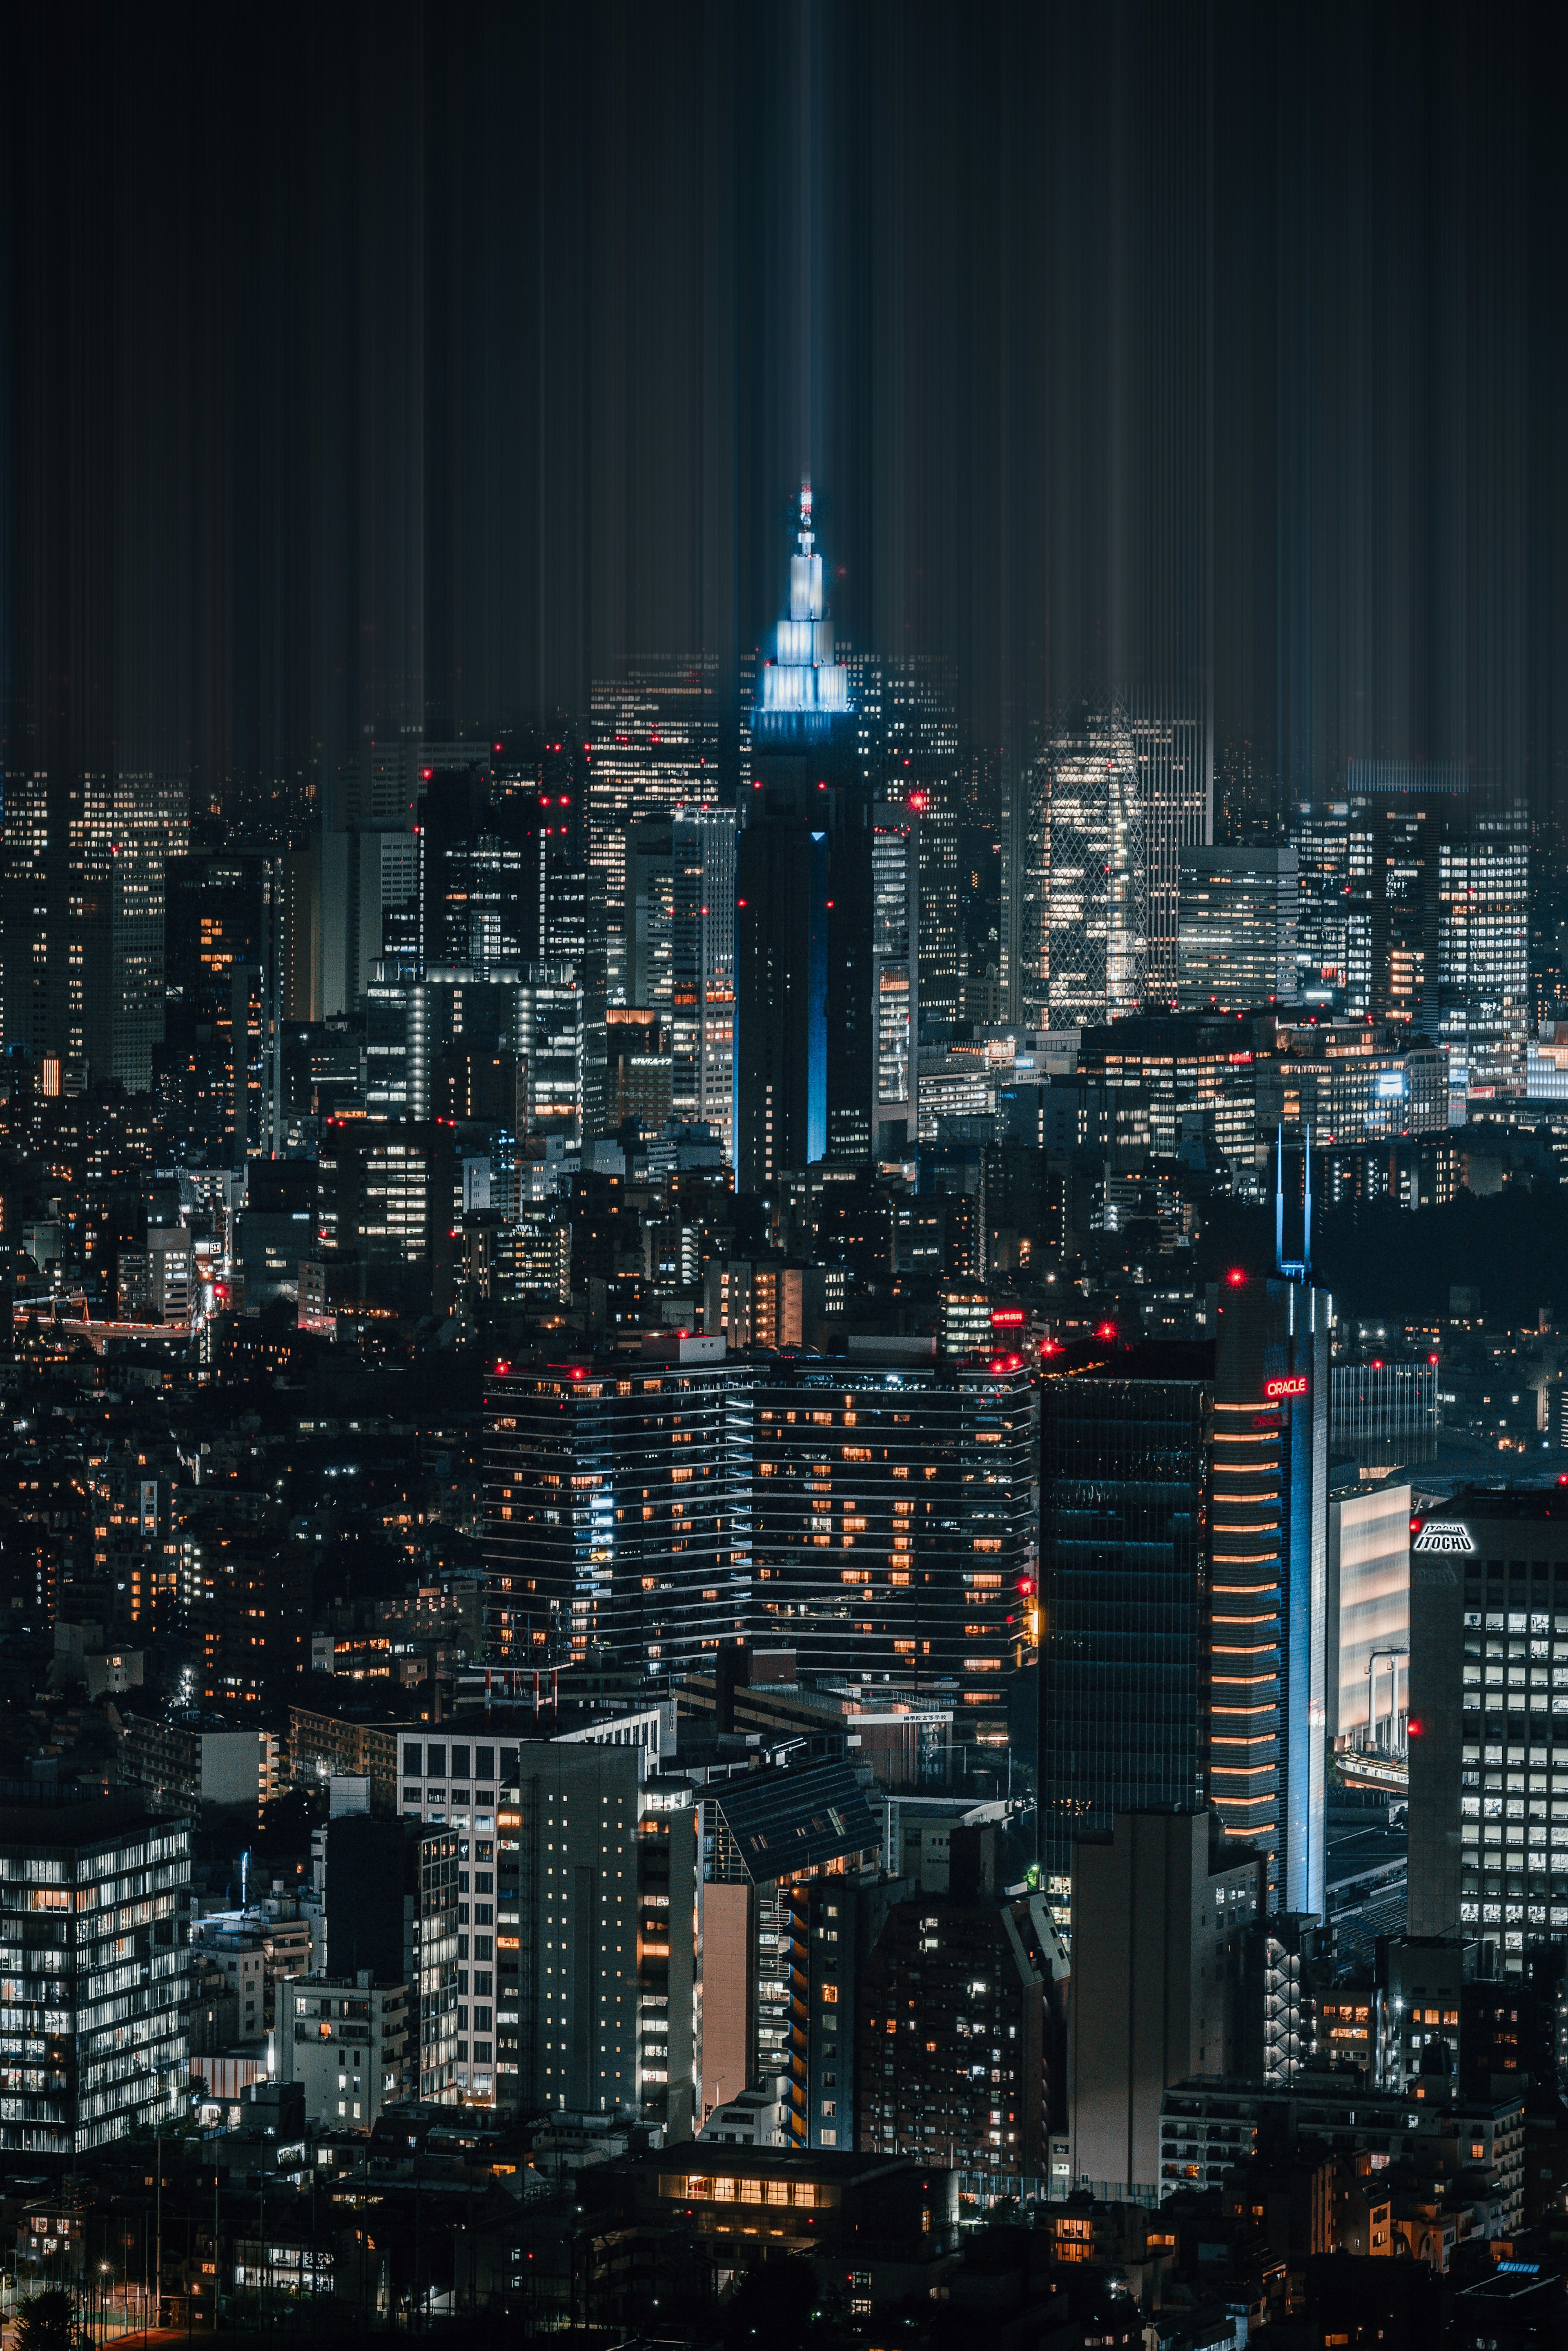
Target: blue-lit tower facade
x,y
1269,1572
826,915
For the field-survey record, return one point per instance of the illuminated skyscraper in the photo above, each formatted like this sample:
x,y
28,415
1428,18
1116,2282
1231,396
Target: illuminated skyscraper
x,y
82,863
1183,1583
1269,1576
655,747
804,689
1237,947
1320,835
703,968
1176,787
1082,933
1483,949
827,916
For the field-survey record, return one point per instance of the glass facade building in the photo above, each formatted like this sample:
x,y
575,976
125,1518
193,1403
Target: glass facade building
x,y
616,1511
1269,1579
655,732
1236,943
1488,1719
1082,878
877,1519
893,1524
95,1976
703,969
1124,1466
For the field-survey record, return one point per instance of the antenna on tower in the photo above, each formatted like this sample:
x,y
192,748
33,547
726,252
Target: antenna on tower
x,y
1307,1210
1293,1268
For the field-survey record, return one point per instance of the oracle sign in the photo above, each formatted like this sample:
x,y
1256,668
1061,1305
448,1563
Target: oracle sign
x,y
1276,1390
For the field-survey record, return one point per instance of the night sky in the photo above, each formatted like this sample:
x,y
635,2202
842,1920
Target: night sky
x,y
379,368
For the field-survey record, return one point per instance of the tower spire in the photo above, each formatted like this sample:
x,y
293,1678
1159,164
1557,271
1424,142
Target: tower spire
x,y
1307,1209
805,689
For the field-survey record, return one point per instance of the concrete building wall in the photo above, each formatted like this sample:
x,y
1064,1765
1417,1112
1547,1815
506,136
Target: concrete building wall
x,y
233,1764
1155,1952
726,1993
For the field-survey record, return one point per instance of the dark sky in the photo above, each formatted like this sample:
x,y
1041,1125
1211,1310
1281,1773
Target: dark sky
x,y
384,367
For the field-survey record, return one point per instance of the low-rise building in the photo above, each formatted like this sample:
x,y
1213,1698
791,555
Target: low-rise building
x,y
192,1758
348,2046
1207,2128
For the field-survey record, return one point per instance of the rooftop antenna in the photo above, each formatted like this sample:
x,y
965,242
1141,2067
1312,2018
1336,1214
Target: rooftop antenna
x,y
1294,1269
1307,1209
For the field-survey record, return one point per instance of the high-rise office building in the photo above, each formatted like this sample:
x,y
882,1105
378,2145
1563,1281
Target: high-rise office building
x,y
1320,835
560,2006
614,1526
1162,1907
953,2038
1175,764
1483,949
1124,1457
1176,1064
646,927
1269,1577
396,1899
82,880
96,1894
639,1076
1346,1081
239,959
1489,1713
876,1517
655,747
827,915
906,753
701,989
371,894
781,972
1184,1587
1236,947
892,1523
1367,1687
1081,876
389,1204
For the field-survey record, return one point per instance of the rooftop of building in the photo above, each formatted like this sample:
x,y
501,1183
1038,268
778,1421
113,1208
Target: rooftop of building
x,y
62,1823
1336,2088
1169,1361
700,2159
785,1820
1518,1503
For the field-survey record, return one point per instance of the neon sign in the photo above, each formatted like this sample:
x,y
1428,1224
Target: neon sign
x,y
1276,1390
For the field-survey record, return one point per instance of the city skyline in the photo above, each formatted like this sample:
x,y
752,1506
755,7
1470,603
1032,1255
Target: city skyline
x,y
333,427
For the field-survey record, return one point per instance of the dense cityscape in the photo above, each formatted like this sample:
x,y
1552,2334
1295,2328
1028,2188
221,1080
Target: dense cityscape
x,y
783,1468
